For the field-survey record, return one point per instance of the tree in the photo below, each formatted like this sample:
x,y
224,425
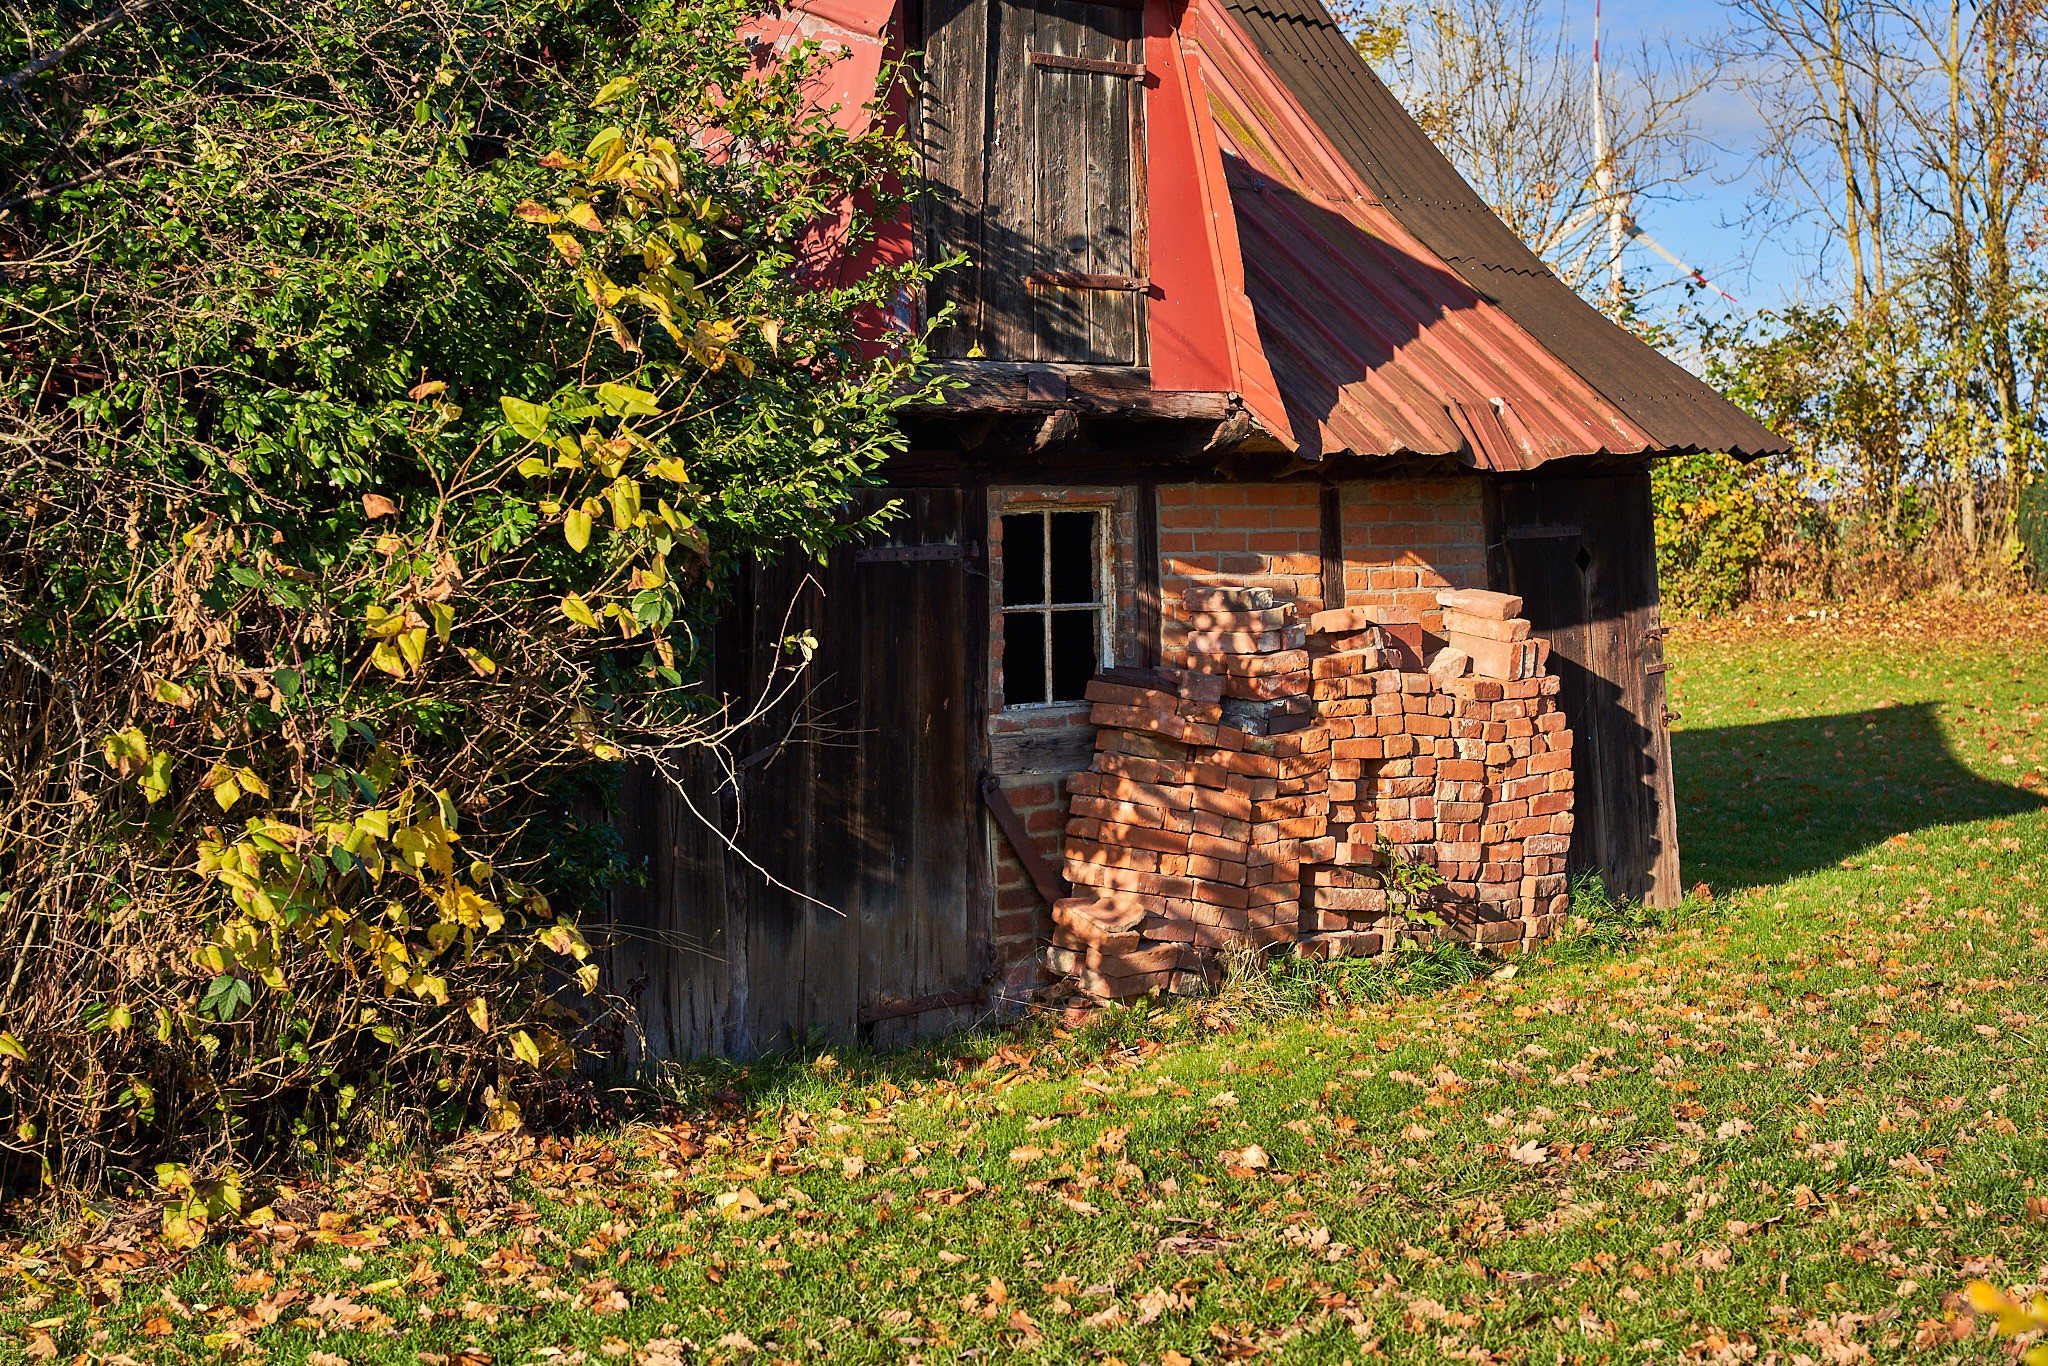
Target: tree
x,y
1895,132
1501,90
393,387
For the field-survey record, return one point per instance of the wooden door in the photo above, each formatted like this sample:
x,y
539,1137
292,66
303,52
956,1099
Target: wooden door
x,y
829,877
1581,553
1032,121
870,910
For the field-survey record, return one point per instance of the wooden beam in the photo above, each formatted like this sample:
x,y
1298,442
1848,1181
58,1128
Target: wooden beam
x,y
1044,876
1146,553
1090,390
1331,546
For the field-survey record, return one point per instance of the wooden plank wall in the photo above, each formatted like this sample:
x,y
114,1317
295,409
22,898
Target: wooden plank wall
x,y
1582,554
857,877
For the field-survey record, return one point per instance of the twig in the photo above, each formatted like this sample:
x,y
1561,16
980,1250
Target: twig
x,y
64,51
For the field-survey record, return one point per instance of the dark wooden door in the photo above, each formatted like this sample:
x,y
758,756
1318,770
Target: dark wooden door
x,y
874,913
829,876
1581,553
1031,117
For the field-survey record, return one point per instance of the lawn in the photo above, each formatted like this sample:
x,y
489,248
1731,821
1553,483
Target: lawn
x,y
1790,1124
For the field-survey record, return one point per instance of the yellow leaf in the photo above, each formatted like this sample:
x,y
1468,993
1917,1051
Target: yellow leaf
x,y
479,1013
576,529
10,1047
524,1048
413,645
585,217
578,611
625,499
480,661
125,751
534,213
586,977
252,784
444,620
167,691
617,88
501,1115
387,658
225,790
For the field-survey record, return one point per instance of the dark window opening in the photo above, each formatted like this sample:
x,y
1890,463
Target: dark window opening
x,y
1055,605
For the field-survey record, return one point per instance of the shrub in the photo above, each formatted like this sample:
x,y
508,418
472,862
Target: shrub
x,y
388,414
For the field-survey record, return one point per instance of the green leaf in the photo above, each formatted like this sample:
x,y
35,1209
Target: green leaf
x,y
524,1048
226,997
533,467
530,420
576,529
617,88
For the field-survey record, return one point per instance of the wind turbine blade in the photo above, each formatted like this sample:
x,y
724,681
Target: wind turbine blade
x,y
1636,232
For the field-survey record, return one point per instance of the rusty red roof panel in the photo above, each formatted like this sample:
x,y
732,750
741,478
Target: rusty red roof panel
x,y
1378,345
1373,137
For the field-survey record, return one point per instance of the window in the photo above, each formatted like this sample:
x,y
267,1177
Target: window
x,y
1055,605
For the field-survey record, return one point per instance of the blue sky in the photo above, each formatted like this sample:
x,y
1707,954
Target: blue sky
x,y
1706,227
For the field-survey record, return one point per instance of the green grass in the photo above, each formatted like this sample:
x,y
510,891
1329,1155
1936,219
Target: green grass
x,y
1788,1123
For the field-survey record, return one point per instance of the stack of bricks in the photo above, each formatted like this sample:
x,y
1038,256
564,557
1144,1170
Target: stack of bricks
x,y
1207,793
1245,797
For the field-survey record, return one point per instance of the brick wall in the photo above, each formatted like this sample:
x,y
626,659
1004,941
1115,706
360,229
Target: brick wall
x,y
1023,920
1406,538
1255,534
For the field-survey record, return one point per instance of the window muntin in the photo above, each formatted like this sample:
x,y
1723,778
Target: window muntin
x,y
1055,593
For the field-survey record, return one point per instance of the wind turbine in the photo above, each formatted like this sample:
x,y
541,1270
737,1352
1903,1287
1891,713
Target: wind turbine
x,y
1609,203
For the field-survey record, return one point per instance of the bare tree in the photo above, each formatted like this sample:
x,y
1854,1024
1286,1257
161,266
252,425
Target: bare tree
x,y
1501,88
1905,132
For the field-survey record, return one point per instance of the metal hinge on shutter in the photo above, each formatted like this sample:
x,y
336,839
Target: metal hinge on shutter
x,y
1074,279
1094,66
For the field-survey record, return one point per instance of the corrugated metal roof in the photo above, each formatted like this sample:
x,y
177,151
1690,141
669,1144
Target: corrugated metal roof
x,y
1378,346
1406,181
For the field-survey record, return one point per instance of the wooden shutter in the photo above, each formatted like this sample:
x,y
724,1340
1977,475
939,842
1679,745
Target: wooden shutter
x,y
1033,125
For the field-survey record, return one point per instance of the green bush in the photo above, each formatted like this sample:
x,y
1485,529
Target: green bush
x,y
1712,531
386,416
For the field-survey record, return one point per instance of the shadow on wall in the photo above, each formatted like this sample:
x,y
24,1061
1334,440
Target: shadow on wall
x,y
1761,803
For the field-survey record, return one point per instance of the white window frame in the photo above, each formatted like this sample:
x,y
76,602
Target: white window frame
x,y
1104,606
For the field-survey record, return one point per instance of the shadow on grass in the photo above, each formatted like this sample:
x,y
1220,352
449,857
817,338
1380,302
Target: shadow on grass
x,y
1761,803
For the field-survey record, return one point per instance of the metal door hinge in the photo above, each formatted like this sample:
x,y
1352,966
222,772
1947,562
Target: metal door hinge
x,y
897,554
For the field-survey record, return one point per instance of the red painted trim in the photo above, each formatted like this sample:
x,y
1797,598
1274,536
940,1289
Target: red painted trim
x,y
1189,329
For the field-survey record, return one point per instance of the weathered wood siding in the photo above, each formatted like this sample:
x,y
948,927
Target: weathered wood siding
x,y
839,880
1032,122
1582,554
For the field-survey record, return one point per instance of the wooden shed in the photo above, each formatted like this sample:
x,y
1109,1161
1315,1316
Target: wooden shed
x,y
1230,318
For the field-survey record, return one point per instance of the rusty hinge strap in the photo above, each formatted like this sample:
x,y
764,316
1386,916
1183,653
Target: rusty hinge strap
x,y
891,554
918,1005
1044,876
1541,533
1094,65
1070,279
1655,668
